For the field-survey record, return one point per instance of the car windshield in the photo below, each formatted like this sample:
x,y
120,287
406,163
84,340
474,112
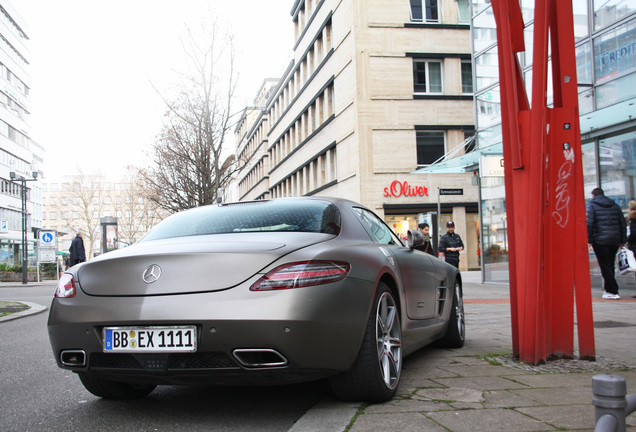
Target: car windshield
x,y
298,216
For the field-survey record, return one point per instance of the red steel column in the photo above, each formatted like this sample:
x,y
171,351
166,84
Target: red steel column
x,y
544,187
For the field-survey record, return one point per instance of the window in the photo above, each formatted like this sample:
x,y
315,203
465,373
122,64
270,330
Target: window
x,y
427,76
430,147
467,77
463,11
424,10
376,226
469,141
265,216
610,11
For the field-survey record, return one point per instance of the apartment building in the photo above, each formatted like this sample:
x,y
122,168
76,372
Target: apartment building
x,y
376,90
19,155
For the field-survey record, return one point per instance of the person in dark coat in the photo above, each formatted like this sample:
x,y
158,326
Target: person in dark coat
x,y
631,223
606,232
427,246
451,244
78,253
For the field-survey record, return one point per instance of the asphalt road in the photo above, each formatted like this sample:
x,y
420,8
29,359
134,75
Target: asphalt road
x,y
35,395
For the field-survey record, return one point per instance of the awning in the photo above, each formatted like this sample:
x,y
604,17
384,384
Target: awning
x,y
465,163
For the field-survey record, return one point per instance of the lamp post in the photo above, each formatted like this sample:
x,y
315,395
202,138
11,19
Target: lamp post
x,y
21,180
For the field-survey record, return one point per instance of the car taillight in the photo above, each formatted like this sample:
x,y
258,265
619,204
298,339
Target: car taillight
x,y
65,287
302,274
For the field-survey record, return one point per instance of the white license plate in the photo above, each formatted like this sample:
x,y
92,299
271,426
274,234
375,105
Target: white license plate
x,y
150,339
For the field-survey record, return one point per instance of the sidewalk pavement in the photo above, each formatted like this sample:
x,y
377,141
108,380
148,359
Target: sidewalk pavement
x,y
480,388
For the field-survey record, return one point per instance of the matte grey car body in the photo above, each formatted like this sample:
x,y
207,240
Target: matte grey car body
x,y
355,296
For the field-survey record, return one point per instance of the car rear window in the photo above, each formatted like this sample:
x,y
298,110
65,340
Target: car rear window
x,y
300,216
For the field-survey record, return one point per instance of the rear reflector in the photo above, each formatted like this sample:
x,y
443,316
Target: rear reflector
x,y
302,274
65,287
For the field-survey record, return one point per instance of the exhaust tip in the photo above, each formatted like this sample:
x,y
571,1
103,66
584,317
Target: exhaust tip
x,y
259,358
73,358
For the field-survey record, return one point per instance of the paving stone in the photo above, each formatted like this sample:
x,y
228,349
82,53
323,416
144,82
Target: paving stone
x,y
572,417
479,370
507,399
451,394
403,422
407,405
557,396
557,380
481,383
488,420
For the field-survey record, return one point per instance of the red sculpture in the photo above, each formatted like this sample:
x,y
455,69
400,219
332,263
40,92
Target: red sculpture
x,y
545,202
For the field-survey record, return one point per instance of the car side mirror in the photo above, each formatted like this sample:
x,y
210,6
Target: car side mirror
x,y
414,238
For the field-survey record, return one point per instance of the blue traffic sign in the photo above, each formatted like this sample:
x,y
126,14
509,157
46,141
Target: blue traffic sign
x,y
47,237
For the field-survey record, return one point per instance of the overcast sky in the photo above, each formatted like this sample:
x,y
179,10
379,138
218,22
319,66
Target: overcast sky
x,y
94,64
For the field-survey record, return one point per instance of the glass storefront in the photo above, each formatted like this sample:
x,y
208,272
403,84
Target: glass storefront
x,y
605,39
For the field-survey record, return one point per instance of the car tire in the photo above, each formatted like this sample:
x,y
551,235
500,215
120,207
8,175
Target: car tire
x,y
375,374
455,334
113,389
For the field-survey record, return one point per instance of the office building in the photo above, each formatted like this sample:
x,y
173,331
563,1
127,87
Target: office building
x,y
20,157
375,91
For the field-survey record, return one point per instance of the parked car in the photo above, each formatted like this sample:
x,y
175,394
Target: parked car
x,y
265,292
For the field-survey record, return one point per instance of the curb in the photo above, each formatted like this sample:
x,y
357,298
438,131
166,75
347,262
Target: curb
x,y
34,309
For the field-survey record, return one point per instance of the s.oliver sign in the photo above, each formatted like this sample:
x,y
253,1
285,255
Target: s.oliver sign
x,y
398,189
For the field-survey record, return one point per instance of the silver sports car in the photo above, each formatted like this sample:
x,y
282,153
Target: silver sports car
x,y
265,292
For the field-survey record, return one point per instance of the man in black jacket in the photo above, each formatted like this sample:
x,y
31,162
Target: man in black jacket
x,y
78,253
606,232
451,244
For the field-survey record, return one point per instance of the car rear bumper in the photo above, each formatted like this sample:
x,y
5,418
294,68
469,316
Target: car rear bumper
x,y
242,336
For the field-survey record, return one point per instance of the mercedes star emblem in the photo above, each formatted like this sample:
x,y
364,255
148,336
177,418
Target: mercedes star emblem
x,y
152,273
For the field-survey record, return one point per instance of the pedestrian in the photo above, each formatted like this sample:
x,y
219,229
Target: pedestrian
x,y
631,224
78,253
451,244
606,232
427,246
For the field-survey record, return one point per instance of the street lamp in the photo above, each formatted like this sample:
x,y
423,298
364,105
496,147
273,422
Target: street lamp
x,y
15,178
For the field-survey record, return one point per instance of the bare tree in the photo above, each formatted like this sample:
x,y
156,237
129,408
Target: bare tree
x,y
189,159
136,212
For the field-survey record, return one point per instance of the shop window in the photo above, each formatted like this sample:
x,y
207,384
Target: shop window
x,y
430,147
614,53
424,11
616,91
584,63
617,163
590,180
427,76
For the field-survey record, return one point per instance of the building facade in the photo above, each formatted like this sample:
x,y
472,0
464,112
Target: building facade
x,y
19,155
375,91
605,33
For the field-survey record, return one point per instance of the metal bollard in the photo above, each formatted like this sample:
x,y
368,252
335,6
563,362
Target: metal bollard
x,y
609,392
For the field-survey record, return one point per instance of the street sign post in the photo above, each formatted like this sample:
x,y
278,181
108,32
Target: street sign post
x,y
47,246
451,191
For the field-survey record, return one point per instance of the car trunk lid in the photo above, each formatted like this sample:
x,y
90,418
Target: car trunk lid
x,y
188,265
